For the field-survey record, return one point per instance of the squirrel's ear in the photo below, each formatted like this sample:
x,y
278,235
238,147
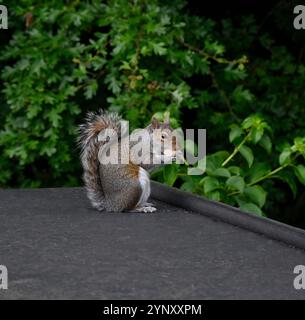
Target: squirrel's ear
x,y
155,123
166,122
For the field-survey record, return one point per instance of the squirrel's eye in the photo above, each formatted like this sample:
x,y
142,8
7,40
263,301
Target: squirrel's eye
x,y
164,135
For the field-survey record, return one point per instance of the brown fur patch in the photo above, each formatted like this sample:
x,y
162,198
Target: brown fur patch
x,y
133,170
98,126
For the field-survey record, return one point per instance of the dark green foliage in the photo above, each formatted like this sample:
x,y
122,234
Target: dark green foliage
x,y
143,58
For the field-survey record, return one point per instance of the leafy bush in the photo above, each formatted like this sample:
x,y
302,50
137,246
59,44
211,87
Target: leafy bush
x,y
136,54
238,178
145,58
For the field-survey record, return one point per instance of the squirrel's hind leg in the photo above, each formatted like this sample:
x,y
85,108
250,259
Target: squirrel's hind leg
x,y
124,199
143,205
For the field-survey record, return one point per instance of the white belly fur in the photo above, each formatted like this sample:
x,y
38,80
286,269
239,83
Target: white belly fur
x,y
145,185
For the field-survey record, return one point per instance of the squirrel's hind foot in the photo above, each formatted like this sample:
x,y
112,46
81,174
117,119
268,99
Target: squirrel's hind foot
x,y
145,209
147,204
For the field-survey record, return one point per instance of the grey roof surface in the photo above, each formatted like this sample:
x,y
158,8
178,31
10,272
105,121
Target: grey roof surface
x,y
56,247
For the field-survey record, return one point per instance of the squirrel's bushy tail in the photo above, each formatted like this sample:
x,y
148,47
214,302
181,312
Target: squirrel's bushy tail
x,y
88,141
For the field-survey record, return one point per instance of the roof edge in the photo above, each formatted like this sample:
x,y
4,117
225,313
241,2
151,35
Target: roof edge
x,y
270,228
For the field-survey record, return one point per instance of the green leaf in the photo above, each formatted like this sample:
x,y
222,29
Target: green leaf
x,y
284,156
240,94
256,134
236,171
251,208
54,118
188,186
170,174
257,171
113,84
300,173
214,195
236,183
222,172
299,143
266,143
235,132
125,66
248,122
210,184
158,48
215,160
247,153
91,89
256,194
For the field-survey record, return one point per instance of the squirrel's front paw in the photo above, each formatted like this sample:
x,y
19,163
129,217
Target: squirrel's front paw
x,y
146,209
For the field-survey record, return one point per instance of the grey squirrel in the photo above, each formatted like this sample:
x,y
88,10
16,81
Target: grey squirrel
x,y
124,186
